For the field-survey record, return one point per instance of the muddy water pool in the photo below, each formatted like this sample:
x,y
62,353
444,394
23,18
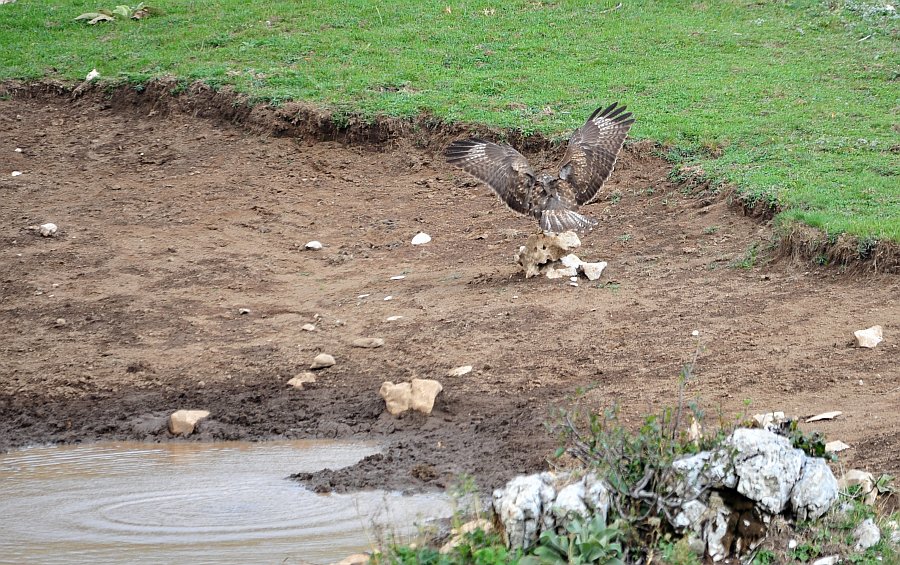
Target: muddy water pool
x,y
192,503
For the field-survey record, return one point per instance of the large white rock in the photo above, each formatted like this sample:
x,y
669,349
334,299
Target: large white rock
x,y
586,498
183,422
542,248
523,508
866,535
766,465
869,337
816,491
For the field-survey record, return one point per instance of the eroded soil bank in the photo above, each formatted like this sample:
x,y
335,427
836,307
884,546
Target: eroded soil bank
x,y
172,222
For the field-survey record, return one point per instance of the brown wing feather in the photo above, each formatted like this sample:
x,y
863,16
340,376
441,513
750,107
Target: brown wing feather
x,y
592,152
501,167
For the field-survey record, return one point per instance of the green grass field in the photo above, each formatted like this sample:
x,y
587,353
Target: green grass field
x,y
795,102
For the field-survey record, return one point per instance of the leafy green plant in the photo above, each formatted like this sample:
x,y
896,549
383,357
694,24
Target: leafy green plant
x,y
764,557
584,541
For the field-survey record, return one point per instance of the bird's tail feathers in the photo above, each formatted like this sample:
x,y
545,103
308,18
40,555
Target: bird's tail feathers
x,y
559,221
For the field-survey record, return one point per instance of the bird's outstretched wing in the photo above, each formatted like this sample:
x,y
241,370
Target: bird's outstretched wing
x,y
593,150
503,168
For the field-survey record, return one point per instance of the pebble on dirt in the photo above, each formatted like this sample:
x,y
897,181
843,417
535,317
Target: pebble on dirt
x,y
15,173
183,422
368,342
48,229
314,245
421,239
321,361
869,337
308,327
60,321
301,379
243,311
459,371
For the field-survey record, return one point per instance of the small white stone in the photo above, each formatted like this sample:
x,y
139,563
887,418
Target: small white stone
x,y
792,544
321,361
573,279
361,296
60,321
421,239
243,311
308,327
48,229
695,333
869,337
368,342
301,379
393,318
593,270
830,560
388,297
314,245
561,273
835,446
571,260
398,277
573,284
16,173
18,149
92,75
459,371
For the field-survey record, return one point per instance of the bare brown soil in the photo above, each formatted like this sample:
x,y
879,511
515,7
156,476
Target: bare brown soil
x,y
175,215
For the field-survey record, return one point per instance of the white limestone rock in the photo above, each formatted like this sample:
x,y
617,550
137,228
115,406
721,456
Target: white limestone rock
x,y
767,467
396,397
866,482
183,422
459,371
866,535
48,230
869,337
421,239
301,379
423,392
458,534
523,508
716,531
593,271
314,245
542,248
561,273
816,491
368,342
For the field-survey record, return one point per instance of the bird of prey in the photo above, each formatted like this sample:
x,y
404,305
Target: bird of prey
x,y
553,199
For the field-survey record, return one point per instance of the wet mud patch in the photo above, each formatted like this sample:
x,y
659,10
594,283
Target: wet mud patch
x,y
174,220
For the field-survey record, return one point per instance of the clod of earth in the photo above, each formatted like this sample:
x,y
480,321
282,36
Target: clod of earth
x,y
418,394
301,379
869,337
322,361
183,422
368,342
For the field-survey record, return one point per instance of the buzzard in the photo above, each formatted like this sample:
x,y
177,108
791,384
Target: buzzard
x,y
553,199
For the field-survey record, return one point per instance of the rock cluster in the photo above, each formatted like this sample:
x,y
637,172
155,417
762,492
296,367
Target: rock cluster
x,y
552,255
724,499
